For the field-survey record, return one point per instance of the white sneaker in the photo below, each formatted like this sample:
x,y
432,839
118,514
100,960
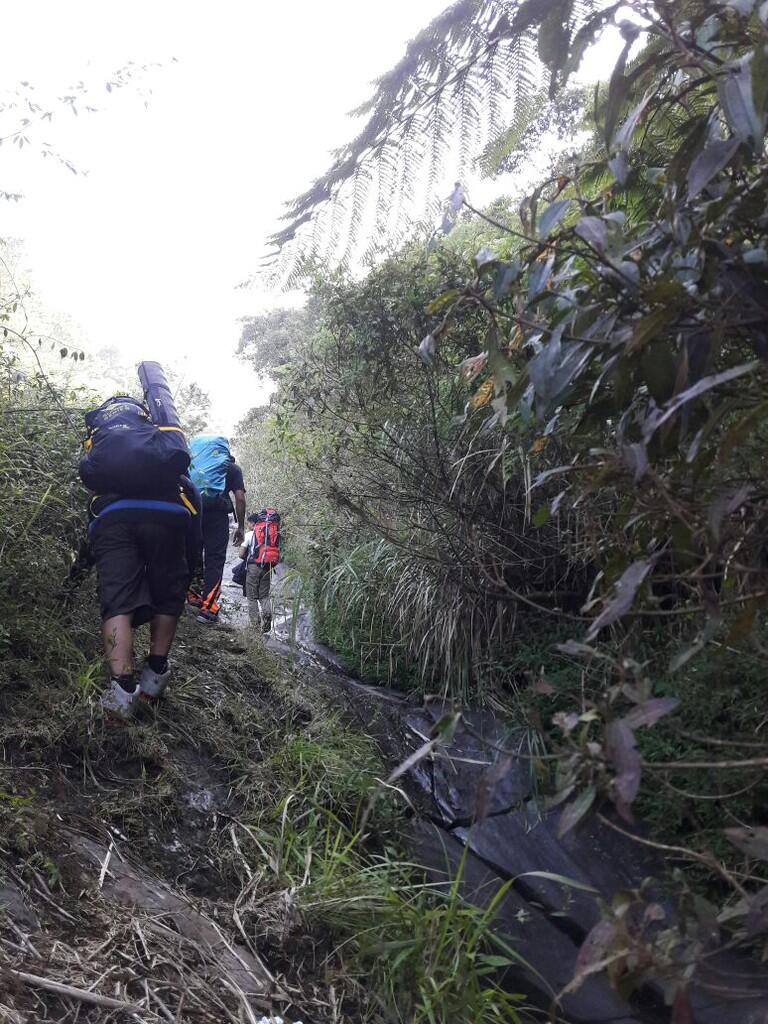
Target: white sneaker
x,y
118,702
152,684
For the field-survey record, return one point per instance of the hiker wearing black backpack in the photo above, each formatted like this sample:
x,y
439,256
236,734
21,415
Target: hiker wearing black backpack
x,y
217,476
261,551
144,522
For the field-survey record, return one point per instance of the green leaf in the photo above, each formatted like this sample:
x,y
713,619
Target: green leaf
x,y
735,90
506,275
653,423
494,960
541,516
760,79
752,841
650,327
552,216
741,431
658,369
441,301
552,876
710,162
575,811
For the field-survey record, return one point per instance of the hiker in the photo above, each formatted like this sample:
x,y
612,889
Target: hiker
x,y
216,475
144,526
261,551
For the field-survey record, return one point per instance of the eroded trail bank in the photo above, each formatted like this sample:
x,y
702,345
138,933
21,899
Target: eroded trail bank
x,y
479,817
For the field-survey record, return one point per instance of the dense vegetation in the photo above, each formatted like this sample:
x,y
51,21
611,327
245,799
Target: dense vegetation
x,y
528,461
521,463
246,794
246,799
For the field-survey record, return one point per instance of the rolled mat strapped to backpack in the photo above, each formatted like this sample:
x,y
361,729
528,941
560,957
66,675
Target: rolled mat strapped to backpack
x,y
127,452
158,397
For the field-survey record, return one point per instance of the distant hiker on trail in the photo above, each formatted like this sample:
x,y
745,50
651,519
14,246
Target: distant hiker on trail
x,y
261,550
216,475
144,525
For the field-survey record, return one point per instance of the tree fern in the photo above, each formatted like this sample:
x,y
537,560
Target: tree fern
x,y
449,94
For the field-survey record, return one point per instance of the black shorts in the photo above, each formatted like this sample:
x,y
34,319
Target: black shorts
x,y
142,569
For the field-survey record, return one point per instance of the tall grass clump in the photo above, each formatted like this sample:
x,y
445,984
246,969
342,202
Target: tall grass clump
x,y
322,871
42,523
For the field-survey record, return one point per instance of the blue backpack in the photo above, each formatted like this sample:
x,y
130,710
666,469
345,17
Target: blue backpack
x,y
210,459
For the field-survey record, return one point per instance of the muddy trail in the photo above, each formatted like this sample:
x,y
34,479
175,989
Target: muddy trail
x,y
197,866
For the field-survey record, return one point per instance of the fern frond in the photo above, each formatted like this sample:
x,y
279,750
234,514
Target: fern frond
x,y
450,91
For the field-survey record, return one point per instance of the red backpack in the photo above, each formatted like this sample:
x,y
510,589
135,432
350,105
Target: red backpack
x,y
264,547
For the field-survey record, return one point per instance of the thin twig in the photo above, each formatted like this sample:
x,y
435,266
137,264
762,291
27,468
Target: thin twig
x,y
70,992
754,762
709,860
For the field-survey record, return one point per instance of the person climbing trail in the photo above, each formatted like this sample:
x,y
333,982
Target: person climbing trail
x,y
217,476
261,551
144,524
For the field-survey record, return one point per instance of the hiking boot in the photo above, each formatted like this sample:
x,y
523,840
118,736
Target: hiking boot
x,y
266,624
118,702
152,684
194,600
207,617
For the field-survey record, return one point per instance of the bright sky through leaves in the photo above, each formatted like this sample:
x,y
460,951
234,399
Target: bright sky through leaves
x,y
145,251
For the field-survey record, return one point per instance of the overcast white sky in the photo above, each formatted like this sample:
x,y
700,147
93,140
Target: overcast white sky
x,y
145,251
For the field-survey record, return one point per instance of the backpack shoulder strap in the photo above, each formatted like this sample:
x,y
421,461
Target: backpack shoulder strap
x,y
251,553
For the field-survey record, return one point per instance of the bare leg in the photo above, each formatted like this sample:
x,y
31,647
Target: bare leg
x,y
118,644
161,633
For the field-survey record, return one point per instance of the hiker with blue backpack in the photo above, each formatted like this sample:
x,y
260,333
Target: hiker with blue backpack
x,y
144,528
217,476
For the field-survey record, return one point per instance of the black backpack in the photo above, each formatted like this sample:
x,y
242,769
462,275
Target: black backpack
x,y
128,454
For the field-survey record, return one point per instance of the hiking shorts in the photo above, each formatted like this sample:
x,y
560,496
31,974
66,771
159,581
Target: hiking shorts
x,y
142,569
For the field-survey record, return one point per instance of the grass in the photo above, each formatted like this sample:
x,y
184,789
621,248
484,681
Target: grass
x,y
390,945
280,858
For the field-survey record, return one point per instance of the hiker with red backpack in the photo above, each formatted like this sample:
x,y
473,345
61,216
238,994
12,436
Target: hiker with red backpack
x,y
144,522
261,551
216,475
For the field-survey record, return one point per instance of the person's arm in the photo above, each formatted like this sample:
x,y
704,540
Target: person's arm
x,y
237,537
194,536
237,486
243,550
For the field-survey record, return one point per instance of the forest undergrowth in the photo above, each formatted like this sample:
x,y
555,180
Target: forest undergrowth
x,y
243,804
